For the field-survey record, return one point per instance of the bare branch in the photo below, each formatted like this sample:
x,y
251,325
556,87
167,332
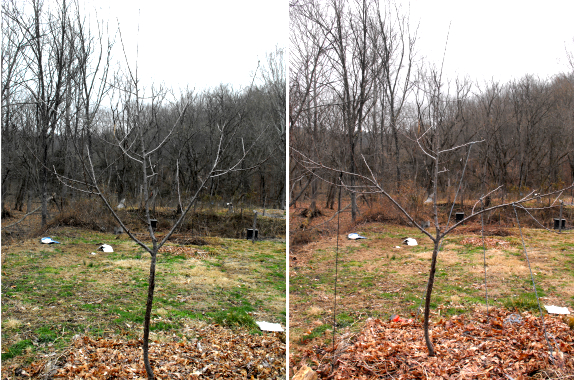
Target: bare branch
x,y
460,146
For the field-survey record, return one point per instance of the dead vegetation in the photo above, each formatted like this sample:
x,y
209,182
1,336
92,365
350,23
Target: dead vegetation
x,y
379,277
89,214
503,344
245,356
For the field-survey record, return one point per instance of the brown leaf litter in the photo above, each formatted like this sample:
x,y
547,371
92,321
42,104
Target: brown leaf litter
x,y
489,242
220,353
503,345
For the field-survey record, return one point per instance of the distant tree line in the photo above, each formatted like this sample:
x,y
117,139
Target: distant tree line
x,y
361,99
62,98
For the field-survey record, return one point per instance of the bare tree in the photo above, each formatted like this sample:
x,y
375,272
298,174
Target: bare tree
x,y
274,75
344,30
531,103
136,136
13,46
307,58
433,106
46,40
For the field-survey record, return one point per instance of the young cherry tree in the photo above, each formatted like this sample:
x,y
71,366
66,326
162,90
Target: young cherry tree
x,y
136,136
373,186
432,105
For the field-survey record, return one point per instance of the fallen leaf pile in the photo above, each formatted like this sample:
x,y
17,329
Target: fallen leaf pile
x,y
219,354
489,242
505,345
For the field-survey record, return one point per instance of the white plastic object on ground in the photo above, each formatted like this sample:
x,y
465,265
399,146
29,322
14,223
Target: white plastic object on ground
x,y
556,309
410,241
354,236
266,326
106,248
48,240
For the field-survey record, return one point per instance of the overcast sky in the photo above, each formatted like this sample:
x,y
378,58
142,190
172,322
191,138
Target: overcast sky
x,y
203,44
500,39
199,44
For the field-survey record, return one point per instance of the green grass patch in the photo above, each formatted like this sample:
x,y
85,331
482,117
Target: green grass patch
x,y
163,326
123,316
17,349
234,317
522,302
169,259
352,264
316,332
45,335
182,313
91,307
343,320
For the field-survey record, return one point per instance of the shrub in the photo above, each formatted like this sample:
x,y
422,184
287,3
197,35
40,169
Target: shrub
x,y
85,213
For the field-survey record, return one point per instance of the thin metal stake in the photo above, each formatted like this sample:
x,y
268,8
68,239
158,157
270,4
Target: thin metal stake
x,y
335,280
560,215
534,287
484,261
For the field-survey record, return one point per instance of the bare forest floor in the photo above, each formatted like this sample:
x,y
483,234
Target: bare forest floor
x,y
380,277
70,313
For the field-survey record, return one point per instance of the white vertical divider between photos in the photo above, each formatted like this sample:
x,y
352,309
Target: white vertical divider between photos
x,y
286,200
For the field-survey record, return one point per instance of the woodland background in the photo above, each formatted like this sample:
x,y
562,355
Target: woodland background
x,y
64,95
362,100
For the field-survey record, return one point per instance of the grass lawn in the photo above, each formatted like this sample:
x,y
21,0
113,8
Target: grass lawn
x,y
51,293
375,279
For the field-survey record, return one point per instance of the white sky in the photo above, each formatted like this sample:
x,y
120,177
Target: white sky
x,y
502,39
199,44
204,43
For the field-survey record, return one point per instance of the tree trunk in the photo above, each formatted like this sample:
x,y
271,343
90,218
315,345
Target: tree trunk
x,y
44,180
29,200
428,299
313,196
19,204
353,199
396,143
330,196
352,177
151,285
